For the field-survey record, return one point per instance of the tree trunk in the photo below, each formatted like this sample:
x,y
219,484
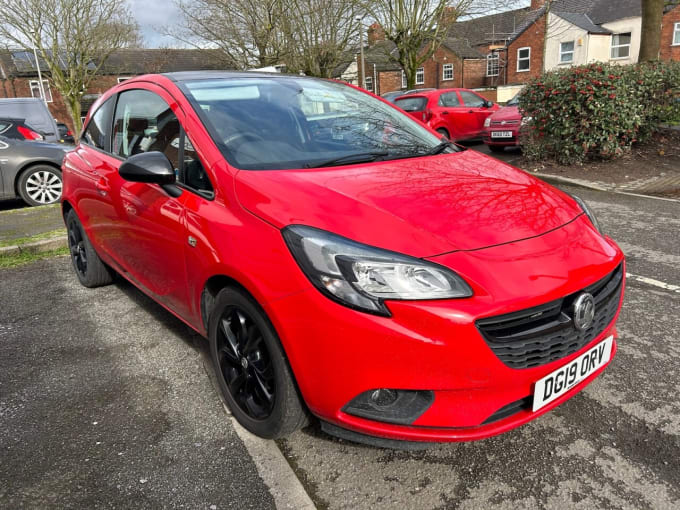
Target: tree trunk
x,y
73,107
652,15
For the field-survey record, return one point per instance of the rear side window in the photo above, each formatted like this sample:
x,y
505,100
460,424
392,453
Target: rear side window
x,y
4,126
412,104
472,100
449,99
98,130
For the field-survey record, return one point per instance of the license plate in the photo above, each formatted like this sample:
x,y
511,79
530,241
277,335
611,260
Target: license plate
x,y
563,379
501,134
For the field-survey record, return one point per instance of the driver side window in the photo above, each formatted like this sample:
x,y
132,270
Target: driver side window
x,y
144,122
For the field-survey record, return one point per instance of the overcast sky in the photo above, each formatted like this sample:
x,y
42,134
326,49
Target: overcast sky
x,y
154,14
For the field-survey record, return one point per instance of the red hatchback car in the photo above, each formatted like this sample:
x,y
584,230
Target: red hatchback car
x,y
342,260
457,114
502,129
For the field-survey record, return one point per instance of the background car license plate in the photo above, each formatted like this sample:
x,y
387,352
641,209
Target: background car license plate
x,y
563,379
501,134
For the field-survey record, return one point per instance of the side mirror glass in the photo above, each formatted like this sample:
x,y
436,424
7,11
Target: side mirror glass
x,y
150,167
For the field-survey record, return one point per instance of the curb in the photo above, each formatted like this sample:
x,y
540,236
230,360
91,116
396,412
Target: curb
x,y
43,245
581,183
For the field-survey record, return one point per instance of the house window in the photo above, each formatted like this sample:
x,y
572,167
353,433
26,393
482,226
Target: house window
x,y
447,72
567,52
35,90
420,76
121,79
369,83
493,64
676,35
523,59
404,84
621,45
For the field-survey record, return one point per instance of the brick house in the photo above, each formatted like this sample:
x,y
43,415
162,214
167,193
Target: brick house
x,y
670,33
19,76
453,64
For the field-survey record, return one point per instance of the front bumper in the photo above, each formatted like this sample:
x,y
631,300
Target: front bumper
x,y
337,353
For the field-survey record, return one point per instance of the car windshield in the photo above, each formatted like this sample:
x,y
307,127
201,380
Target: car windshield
x,y
289,122
514,101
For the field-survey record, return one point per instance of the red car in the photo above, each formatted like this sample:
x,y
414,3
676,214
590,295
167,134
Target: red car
x,y
457,114
502,129
342,260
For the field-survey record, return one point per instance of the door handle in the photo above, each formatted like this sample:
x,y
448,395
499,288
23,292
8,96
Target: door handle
x,y
445,113
102,187
471,111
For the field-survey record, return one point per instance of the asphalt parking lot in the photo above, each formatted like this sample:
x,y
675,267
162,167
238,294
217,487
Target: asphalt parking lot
x,y
105,401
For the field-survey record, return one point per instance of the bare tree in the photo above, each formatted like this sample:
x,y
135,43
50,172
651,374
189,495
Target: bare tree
x,y
73,37
318,33
249,32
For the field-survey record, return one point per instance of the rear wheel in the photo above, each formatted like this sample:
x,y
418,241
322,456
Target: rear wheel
x,y
40,185
496,148
251,368
89,268
444,133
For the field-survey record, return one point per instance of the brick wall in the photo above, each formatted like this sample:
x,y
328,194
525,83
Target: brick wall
x,y
532,37
474,73
669,52
19,87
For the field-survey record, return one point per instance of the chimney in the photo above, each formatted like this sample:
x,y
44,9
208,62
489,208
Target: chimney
x,y
537,4
449,16
375,33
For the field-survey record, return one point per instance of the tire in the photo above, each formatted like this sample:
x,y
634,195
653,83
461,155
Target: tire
x,y
40,185
89,268
444,132
239,330
497,148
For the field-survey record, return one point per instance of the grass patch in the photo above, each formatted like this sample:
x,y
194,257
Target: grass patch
x,y
24,210
10,261
19,241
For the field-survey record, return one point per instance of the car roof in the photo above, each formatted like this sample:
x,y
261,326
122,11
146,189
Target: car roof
x,y
183,76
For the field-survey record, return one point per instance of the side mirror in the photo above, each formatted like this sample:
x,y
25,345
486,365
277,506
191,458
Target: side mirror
x,y
488,104
153,168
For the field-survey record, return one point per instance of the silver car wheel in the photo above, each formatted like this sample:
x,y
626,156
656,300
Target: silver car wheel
x,y
44,187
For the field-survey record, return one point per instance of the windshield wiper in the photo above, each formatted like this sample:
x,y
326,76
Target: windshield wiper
x,y
359,157
438,149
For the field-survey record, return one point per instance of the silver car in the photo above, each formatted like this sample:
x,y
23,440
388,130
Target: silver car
x,y
31,170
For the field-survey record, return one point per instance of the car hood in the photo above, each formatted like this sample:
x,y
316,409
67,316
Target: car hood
x,y
421,206
507,113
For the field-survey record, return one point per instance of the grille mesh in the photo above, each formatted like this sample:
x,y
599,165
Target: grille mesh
x,y
539,335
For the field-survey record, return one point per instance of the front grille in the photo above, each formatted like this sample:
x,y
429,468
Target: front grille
x,y
536,336
504,122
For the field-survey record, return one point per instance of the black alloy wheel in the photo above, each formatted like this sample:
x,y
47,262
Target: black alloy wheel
x,y
245,363
76,244
89,268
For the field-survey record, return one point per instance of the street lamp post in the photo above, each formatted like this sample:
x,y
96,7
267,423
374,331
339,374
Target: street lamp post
x,y
362,77
37,66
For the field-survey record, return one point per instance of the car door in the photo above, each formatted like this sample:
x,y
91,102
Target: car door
x,y
476,110
450,112
149,232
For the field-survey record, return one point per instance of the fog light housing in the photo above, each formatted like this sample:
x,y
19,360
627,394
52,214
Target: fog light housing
x,y
402,407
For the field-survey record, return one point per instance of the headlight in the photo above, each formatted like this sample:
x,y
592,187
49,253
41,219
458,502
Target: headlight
x,y
361,277
584,207
487,122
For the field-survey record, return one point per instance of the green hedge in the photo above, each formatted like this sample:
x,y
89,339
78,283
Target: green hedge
x,y
597,111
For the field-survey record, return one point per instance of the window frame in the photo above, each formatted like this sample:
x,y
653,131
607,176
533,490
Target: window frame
x,y
676,34
524,59
420,71
107,149
493,56
45,87
367,80
612,46
572,52
121,79
445,68
404,83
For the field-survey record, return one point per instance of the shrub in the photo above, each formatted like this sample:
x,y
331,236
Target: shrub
x,y
598,110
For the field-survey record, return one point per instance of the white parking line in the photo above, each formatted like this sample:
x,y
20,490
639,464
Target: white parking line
x,y
655,283
272,466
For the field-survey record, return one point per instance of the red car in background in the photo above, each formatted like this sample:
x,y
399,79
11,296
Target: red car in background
x,y
502,128
346,265
458,114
